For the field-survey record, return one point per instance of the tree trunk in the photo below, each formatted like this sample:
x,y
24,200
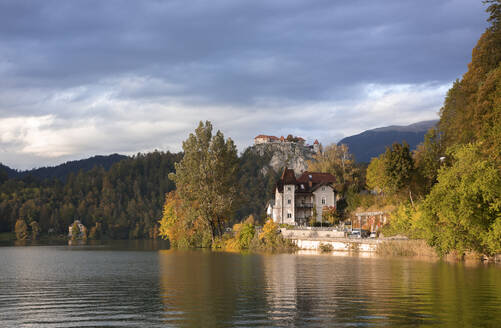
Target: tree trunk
x,y
410,197
213,233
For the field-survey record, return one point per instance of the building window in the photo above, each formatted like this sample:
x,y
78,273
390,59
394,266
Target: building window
x,y
289,215
323,200
323,188
288,188
289,201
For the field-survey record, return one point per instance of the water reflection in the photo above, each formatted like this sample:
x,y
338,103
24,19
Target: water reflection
x,y
205,289
221,289
135,284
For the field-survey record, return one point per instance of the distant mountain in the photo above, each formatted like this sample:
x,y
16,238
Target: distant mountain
x,y
63,170
371,143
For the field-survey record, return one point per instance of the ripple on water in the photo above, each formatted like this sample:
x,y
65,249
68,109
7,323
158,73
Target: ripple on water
x,y
55,287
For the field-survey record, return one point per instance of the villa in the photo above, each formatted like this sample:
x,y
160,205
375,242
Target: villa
x,y
297,200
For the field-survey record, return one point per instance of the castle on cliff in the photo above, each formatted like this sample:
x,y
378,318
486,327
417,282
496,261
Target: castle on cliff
x,y
265,139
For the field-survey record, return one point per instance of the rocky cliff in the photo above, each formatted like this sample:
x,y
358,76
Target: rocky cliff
x,y
290,154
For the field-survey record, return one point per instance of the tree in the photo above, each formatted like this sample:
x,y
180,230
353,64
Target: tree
x,y
75,231
21,229
3,175
181,225
95,231
35,230
463,210
338,161
398,167
243,234
428,158
206,177
376,175
472,108
330,215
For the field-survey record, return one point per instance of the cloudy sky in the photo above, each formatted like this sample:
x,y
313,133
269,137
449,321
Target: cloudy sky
x,y
79,78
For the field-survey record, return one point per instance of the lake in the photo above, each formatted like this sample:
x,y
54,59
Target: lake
x,y
139,284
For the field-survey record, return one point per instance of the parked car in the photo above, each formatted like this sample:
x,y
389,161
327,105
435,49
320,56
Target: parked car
x,y
359,233
355,233
373,235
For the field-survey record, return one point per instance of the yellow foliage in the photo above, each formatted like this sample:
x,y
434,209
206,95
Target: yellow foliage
x,y
179,225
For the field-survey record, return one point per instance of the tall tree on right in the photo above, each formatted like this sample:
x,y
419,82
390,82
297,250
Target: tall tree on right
x,y
472,108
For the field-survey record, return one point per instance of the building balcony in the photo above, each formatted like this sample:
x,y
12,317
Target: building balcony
x,y
304,205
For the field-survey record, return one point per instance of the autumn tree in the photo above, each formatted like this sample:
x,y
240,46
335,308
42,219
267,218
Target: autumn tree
x,y
75,231
338,161
206,177
35,230
21,229
472,108
376,175
95,231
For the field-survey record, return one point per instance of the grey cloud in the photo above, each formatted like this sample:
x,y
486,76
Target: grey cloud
x,y
260,62
208,47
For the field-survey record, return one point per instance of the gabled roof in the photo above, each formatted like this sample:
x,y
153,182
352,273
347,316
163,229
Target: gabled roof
x,y
316,177
316,142
288,176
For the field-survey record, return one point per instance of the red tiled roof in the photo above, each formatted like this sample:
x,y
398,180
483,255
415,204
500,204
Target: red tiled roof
x,y
316,142
316,177
265,136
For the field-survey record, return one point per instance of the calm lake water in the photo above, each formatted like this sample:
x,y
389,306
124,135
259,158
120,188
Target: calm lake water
x,y
139,285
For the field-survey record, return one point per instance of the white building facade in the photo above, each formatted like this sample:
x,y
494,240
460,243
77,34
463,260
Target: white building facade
x,y
297,200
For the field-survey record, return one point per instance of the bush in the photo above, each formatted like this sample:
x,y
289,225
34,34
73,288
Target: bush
x,y
406,220
325,248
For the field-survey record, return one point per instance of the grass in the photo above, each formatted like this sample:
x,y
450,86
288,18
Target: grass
x,y
405,248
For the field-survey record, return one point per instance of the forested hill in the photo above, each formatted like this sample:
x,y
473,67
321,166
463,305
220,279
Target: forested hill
x,y
62,171
8,171
372,143
126,201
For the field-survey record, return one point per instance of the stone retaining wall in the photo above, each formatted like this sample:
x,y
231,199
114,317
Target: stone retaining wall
x,y
342,244
307,233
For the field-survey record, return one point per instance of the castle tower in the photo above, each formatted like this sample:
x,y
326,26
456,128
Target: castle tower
x,y
316,147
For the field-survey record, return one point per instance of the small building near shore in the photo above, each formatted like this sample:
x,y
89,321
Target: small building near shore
x,y
82,229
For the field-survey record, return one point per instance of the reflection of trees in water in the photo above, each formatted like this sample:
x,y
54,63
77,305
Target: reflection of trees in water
x,y
303,290
207,289
281,289
306,290
221,289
